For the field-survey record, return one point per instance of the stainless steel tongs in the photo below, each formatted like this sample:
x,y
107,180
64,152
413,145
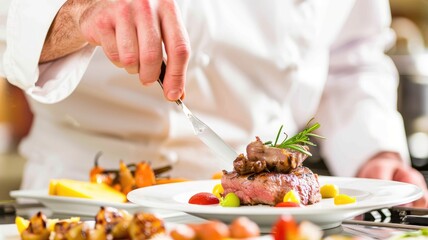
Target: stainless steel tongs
x,y
201,130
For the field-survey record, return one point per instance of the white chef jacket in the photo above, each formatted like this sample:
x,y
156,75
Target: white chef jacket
x,y
255,65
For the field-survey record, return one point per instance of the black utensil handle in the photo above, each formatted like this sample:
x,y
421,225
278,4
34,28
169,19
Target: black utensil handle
x,y
416,220
161,77
162,73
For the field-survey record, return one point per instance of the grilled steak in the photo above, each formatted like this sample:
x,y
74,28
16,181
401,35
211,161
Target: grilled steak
x,y
270,187
262,158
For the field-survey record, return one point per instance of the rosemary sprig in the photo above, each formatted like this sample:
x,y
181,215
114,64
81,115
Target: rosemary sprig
x,y
296,142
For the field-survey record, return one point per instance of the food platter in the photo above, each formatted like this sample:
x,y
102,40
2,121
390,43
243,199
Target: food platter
x,y
9,232
70,205
370,194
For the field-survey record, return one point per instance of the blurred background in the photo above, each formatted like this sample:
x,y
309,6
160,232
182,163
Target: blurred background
x,y
410,22
410,55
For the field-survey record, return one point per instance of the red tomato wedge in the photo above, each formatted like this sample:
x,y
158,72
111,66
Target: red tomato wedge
x,y
285,228
287,204
204,198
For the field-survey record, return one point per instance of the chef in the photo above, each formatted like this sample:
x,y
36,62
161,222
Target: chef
x,y
244,67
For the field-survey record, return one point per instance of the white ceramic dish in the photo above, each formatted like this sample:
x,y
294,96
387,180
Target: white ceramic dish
x,y
370,193
9,232
70,205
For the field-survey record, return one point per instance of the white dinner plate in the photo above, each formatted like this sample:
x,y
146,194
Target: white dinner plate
x,y
70,205
370,193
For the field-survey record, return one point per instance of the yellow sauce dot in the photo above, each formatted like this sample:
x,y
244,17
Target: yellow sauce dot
x,y
218,190
291,196
329,191
344,199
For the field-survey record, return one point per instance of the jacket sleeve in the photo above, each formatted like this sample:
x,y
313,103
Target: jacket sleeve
x,y
358,110
4,6
28,22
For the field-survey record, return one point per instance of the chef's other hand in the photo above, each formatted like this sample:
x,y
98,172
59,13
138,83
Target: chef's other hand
x,y
388,166
131,33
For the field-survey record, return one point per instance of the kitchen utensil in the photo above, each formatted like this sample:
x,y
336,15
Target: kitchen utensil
x,y
201,130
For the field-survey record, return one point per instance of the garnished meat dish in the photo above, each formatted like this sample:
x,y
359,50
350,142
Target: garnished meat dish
x,y
269,171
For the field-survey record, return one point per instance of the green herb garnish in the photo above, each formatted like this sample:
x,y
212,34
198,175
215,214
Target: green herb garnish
x,y
412,235
296,142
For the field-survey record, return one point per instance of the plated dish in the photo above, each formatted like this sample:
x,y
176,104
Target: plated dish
x,y
112,223
370,194
9,232
70,205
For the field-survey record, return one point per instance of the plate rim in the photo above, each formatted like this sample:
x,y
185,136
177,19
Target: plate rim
x,y
42,195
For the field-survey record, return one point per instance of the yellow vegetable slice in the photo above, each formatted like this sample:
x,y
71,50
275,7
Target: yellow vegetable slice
x,y
52,187
82,189
21,224
51,222
344,199
292,196
329,191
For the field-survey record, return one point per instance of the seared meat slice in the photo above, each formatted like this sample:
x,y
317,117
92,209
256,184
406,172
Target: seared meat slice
x,y
244,166
264,158
270,187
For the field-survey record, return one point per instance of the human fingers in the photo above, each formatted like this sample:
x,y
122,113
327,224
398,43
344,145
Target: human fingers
x,y
177,47
149,40
378,168
421,202
97,25
411,175
126,37
109,45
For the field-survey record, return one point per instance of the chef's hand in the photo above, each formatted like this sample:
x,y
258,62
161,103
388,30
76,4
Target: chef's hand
x,y
130,32
388,166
